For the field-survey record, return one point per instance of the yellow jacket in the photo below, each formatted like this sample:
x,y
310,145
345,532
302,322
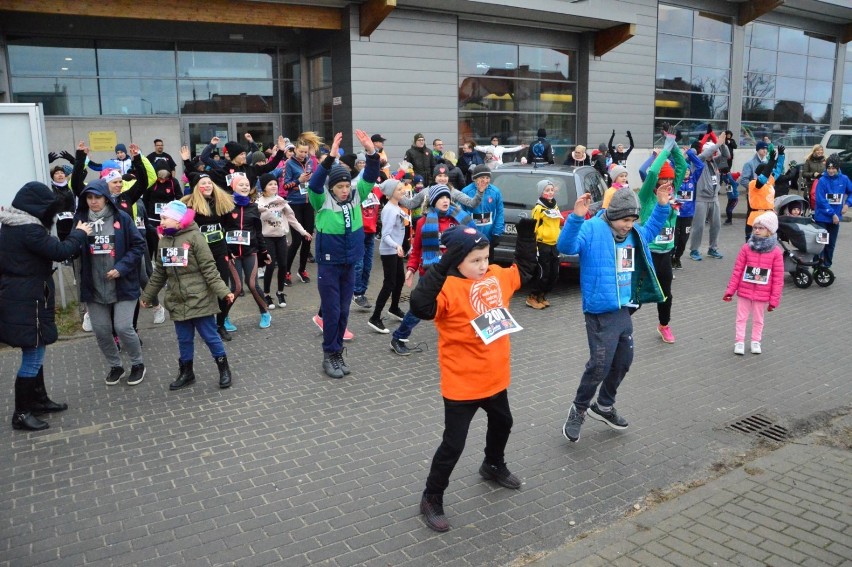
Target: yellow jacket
x,y
547,221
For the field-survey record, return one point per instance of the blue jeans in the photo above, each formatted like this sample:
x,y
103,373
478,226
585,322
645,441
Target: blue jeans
x,y
407,325
206,327
32,360
828,252
365,266
335,283
610,356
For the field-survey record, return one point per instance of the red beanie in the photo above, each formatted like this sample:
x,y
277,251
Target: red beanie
x,y
667,171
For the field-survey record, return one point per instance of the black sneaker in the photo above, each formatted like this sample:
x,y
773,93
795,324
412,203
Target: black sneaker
x,y
400,347
571,428
677,265
432,508
361,301
331,366
226,336
611,417
115,374
500,475
137,373
269,303
397,312
342,363
282,298
303,275
378,326
288,281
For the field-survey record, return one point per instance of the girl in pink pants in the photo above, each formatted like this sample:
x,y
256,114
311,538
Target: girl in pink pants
x,y
757,279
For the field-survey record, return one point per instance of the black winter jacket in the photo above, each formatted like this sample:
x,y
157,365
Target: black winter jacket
x,y
422,162
27,251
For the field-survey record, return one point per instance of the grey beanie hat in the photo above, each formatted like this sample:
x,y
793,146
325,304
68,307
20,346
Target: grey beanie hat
x,y
542,185
616,170
623,204
388,187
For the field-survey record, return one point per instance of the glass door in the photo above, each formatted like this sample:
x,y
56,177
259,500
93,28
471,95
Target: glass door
x,y
198,131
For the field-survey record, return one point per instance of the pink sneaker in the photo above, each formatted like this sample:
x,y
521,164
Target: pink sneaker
x,y
666,333
347,334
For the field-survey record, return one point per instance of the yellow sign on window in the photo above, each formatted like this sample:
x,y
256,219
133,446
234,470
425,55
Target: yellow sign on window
x,y
103,141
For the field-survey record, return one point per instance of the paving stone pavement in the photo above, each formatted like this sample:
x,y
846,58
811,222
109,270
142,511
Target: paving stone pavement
x,y
289,467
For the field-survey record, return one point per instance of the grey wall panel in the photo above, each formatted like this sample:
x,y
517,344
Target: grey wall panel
x,y
405,77
628,73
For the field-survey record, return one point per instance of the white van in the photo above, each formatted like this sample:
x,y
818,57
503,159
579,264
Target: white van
x,y
839,142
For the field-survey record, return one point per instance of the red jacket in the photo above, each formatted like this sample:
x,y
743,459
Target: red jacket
x,y
370,211
769,292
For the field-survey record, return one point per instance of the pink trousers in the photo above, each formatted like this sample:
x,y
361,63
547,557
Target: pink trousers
x,y
756,309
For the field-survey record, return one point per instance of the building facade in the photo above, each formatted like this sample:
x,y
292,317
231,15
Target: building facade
x,y
184,71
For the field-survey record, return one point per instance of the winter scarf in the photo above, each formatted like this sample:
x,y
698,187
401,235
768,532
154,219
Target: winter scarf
x,y
762,245
429,236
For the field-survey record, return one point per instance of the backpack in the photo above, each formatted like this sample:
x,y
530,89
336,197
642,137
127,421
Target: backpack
x,y
538,149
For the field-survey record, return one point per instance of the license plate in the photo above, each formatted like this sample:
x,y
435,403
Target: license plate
x,y
509,228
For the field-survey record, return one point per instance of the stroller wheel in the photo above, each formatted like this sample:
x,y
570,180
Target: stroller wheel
x,y
802,278
823,277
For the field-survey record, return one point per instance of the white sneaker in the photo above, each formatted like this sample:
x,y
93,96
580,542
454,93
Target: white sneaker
x,y
87,323
159,314
755,347
739,348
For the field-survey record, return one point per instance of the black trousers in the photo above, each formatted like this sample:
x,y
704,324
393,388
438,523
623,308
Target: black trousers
x,y
394,277
663,267
457,418
305,216
228,273
277,246
683,228
548,261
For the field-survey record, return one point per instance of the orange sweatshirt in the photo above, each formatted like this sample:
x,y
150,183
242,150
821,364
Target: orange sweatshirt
x,y
470,369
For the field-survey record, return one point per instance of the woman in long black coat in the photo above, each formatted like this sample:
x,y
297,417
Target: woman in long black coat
x,y
27,318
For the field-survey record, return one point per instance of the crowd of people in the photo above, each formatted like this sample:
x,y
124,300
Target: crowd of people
x,y
242,217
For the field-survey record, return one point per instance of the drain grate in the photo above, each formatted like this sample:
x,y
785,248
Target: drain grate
x,y
760,425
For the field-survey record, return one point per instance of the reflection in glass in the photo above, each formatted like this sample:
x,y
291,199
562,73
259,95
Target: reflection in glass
x,y
675,20
544,63
759,85
686,131
822,47
223,64
711,80
762,35
711,28
291,96
821,69
120,61
758,108
262,133
292,125
498,94
788,134
820,113
201,133
75,60
674,49
789,88
516,128
793,65
846,115
673,76
711,53
792,41
217,96
137,96
320,72
762,61
670,104
493,59
60,97
818,91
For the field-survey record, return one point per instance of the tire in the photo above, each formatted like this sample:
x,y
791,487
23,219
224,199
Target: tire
x,y
802,278
823,277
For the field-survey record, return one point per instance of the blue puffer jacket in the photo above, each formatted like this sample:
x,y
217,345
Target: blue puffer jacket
x,y
827,185
492,203
592,240
129,248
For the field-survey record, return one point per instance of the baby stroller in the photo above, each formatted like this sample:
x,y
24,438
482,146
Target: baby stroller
x,y
802,240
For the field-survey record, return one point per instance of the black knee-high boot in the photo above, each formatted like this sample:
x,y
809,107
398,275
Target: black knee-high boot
x,y
41,403
23,417
224,371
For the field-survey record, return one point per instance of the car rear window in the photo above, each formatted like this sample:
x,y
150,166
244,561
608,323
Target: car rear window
x,y
838,142
520,189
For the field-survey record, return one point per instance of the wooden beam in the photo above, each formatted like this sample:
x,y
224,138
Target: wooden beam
x,y
610,38
846,35
206,11
753,9
372,13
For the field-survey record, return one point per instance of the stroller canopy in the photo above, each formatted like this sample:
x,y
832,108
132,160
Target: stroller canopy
x,y
782,204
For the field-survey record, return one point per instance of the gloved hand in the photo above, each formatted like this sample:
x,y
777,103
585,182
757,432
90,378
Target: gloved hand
x,y
781,149
771,308
526,229
709,128
629,136
727,297
613,131
66,155
450,260
52,157
772,154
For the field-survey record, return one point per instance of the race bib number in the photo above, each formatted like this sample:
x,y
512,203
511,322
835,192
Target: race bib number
x,y
482,219
212,232
238,237
494,324
158,208
552,213
686,196
835,198
65,216
622,162
666,235
230,177
822,237
714,180
303,189
140,223
101,244
174,257
370,201
755,275
626,259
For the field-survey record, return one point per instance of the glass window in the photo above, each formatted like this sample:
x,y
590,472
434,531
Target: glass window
x,y
517,128
148,60
711,53
711,80
53,59
217,96
759,85
818,91
691,105
214,62
320,72
817,112
673,76
488,59
790,88
822,47
292,125
686,131
846,115
138,96
60,97
792,41
793,65
485,93
779,133
710,26
674,49
675,20
762,61
291,96
538,62
822,69
762,35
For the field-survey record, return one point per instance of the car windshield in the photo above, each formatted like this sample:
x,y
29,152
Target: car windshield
x,y
520,189
838,142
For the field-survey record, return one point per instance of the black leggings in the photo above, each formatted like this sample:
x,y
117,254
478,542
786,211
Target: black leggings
x,y
391,284
683,228
228,273
277,246
305,216
248,266
548,261
663,267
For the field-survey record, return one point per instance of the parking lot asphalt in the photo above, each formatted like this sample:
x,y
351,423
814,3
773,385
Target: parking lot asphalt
x,y
288,467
